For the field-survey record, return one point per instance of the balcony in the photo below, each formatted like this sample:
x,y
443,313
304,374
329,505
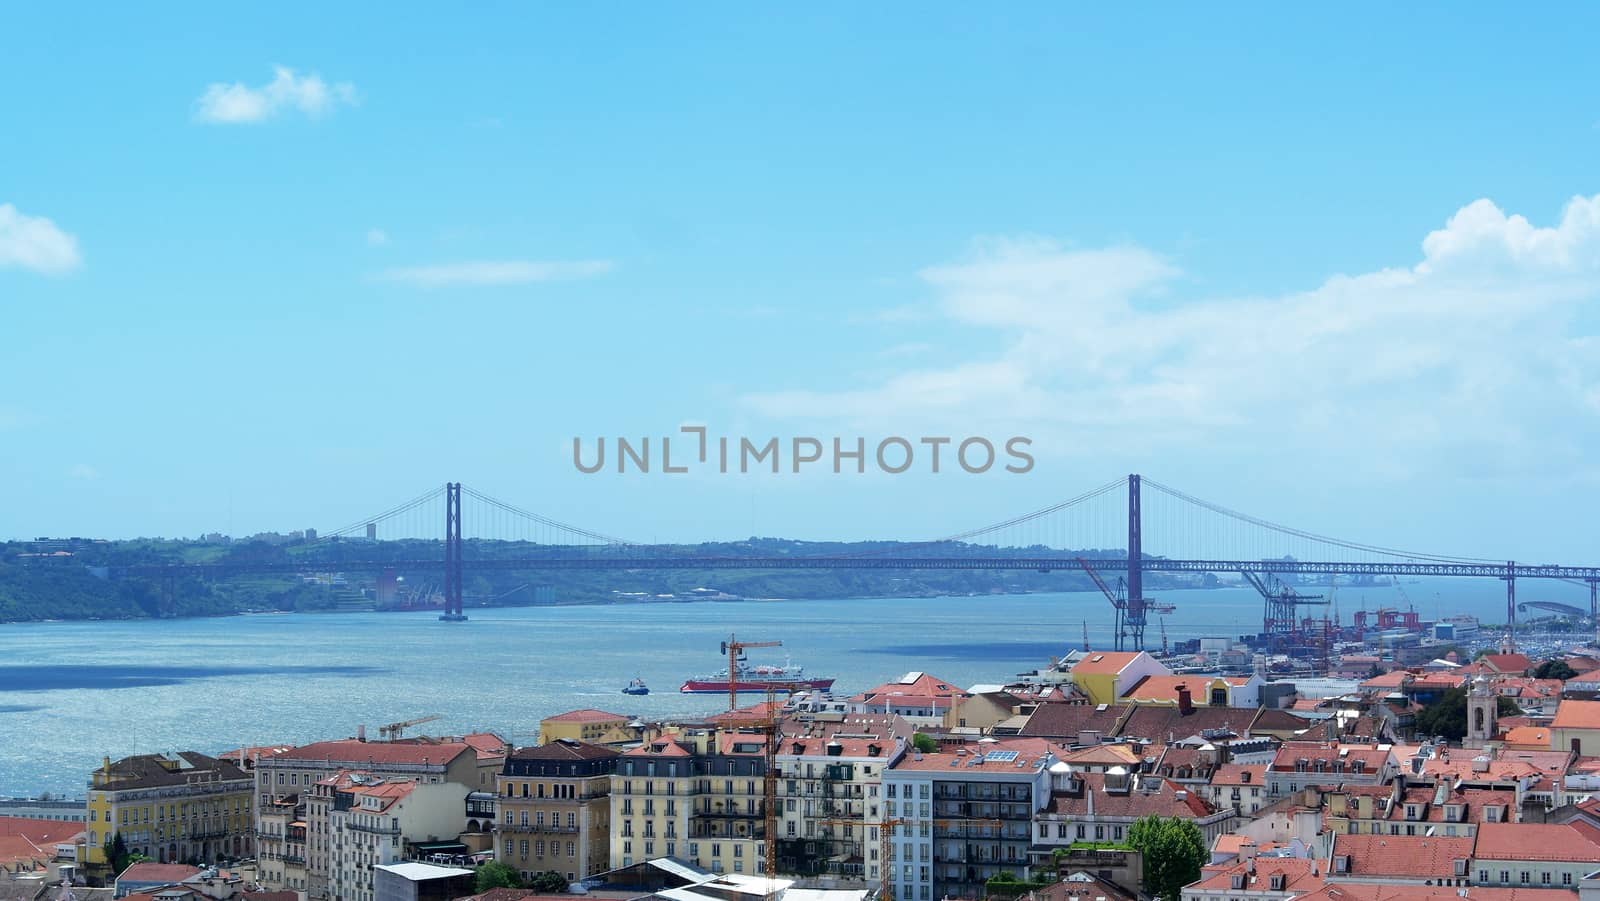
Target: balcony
x,y
537,827
373,830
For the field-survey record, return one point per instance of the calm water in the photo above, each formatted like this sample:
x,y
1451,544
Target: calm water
x,y
71,693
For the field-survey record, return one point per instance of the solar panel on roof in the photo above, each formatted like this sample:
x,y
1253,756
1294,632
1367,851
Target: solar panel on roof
x,y
1001,756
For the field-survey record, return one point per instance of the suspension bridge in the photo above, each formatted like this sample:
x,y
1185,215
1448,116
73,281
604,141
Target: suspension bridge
x,y
1125,528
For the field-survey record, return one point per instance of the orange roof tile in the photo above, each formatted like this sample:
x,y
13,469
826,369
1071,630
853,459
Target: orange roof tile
x,y
1577,715
1299,875
1415,856
377,752
1537,841
588,715
1106,662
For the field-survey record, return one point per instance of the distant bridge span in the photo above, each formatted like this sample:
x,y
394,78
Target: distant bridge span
x,y
605,561
1197,536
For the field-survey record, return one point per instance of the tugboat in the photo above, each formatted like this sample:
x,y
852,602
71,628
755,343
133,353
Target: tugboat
x,y
636,686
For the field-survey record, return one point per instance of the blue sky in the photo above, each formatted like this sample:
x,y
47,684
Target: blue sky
x,y
291,265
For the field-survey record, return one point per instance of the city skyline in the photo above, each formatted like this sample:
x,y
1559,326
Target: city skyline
x,y
1337,273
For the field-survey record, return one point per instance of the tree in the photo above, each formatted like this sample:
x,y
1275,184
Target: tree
x,y
549,882
1173,850
924,743
118,854
1555,669
1447,717
495,874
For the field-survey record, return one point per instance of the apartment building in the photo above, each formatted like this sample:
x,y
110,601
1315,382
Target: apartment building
x,y
830,795
696,796
958,817
374,821
178,808
553,809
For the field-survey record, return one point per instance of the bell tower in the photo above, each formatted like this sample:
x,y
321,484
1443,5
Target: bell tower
x,y
1481,704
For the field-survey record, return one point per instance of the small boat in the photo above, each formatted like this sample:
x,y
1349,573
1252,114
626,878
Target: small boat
x,y
636,686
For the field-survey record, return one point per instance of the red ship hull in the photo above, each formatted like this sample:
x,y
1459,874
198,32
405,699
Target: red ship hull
x,y
707,686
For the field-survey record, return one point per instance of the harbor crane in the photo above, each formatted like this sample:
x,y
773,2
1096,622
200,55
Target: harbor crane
x,y
735,650
1119,600
393,731
1280,624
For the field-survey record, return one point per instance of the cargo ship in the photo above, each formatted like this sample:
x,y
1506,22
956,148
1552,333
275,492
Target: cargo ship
x,y
785,678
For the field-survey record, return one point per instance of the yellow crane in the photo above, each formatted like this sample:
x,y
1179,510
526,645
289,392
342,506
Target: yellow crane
x,y
735,649
393,731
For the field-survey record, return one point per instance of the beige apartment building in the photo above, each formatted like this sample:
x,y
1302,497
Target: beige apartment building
x,y
553,809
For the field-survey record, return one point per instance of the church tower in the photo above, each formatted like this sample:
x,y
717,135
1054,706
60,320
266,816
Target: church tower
x,y
1481,704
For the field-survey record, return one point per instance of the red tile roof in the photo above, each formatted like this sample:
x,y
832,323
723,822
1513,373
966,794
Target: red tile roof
x,y
1290,753
589,715
1106,662
1358,891
1409,856
1299,875
1528,736
1537,841
1029,751
19,853
158,872
1136,802
1165,688
43,832
1577,715
662,747
1239,774
350,750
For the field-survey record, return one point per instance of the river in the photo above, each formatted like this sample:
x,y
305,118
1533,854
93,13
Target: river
x,y
72,692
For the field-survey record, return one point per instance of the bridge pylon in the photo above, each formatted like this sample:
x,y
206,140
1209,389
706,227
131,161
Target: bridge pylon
x,y
1134,622
452,555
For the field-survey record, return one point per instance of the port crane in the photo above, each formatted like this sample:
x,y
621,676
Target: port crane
x,y
1119,601
393,731
1280,622
735,650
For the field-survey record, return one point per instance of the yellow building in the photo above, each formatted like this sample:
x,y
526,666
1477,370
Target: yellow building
x,y
553,809
189,807
688,798
1103,677
593,727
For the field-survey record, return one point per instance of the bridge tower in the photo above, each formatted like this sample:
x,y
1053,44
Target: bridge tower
x,y
1136,606
1511,605
452,554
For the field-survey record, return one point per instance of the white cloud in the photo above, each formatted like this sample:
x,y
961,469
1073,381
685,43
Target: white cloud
x,y
34,242
83,471
496,272
238,103
1478,349
377,237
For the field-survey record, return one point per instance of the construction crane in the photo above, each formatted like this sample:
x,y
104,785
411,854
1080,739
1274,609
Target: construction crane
x,y
735,650
393,731
886,843
767,724
1124,630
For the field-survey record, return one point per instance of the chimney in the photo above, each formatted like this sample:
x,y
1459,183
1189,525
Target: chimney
x,y
361,732
1248,850
1185,701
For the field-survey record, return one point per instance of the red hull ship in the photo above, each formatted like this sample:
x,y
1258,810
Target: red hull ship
x,y
786,678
